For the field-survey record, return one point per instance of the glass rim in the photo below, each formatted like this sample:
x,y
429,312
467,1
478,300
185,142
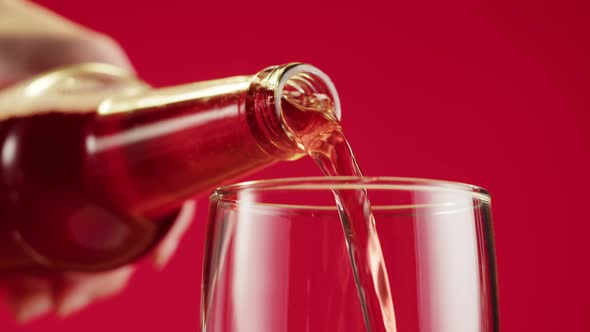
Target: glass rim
x,y
230,193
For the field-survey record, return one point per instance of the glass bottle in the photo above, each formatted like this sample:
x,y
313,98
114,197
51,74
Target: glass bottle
x,y
95,163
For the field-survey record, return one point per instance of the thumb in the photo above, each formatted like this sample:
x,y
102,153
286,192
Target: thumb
x,y
170,242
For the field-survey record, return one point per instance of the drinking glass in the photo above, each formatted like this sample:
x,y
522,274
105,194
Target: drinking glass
x,y
276,257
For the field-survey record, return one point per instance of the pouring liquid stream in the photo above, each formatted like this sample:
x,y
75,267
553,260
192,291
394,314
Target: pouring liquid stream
x,y
317,131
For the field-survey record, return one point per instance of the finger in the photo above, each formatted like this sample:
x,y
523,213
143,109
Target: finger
x,y
28,297
170,242
95,47
34,39
75,291
21,57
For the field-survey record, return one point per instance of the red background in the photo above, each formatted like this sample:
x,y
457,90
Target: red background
x,y
494,94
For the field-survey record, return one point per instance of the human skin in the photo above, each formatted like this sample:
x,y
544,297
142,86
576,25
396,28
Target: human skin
x,y
33,40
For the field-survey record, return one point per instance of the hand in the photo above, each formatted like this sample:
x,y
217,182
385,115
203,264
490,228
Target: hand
x,y
33,40
31,296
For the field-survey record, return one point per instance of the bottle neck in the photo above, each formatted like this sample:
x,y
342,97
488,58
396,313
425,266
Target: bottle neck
x,y
276,130
259,97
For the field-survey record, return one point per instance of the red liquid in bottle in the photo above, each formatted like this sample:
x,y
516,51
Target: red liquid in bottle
x,y
89,189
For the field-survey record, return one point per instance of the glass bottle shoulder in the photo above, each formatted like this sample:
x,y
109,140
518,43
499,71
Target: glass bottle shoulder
x,y
72,89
